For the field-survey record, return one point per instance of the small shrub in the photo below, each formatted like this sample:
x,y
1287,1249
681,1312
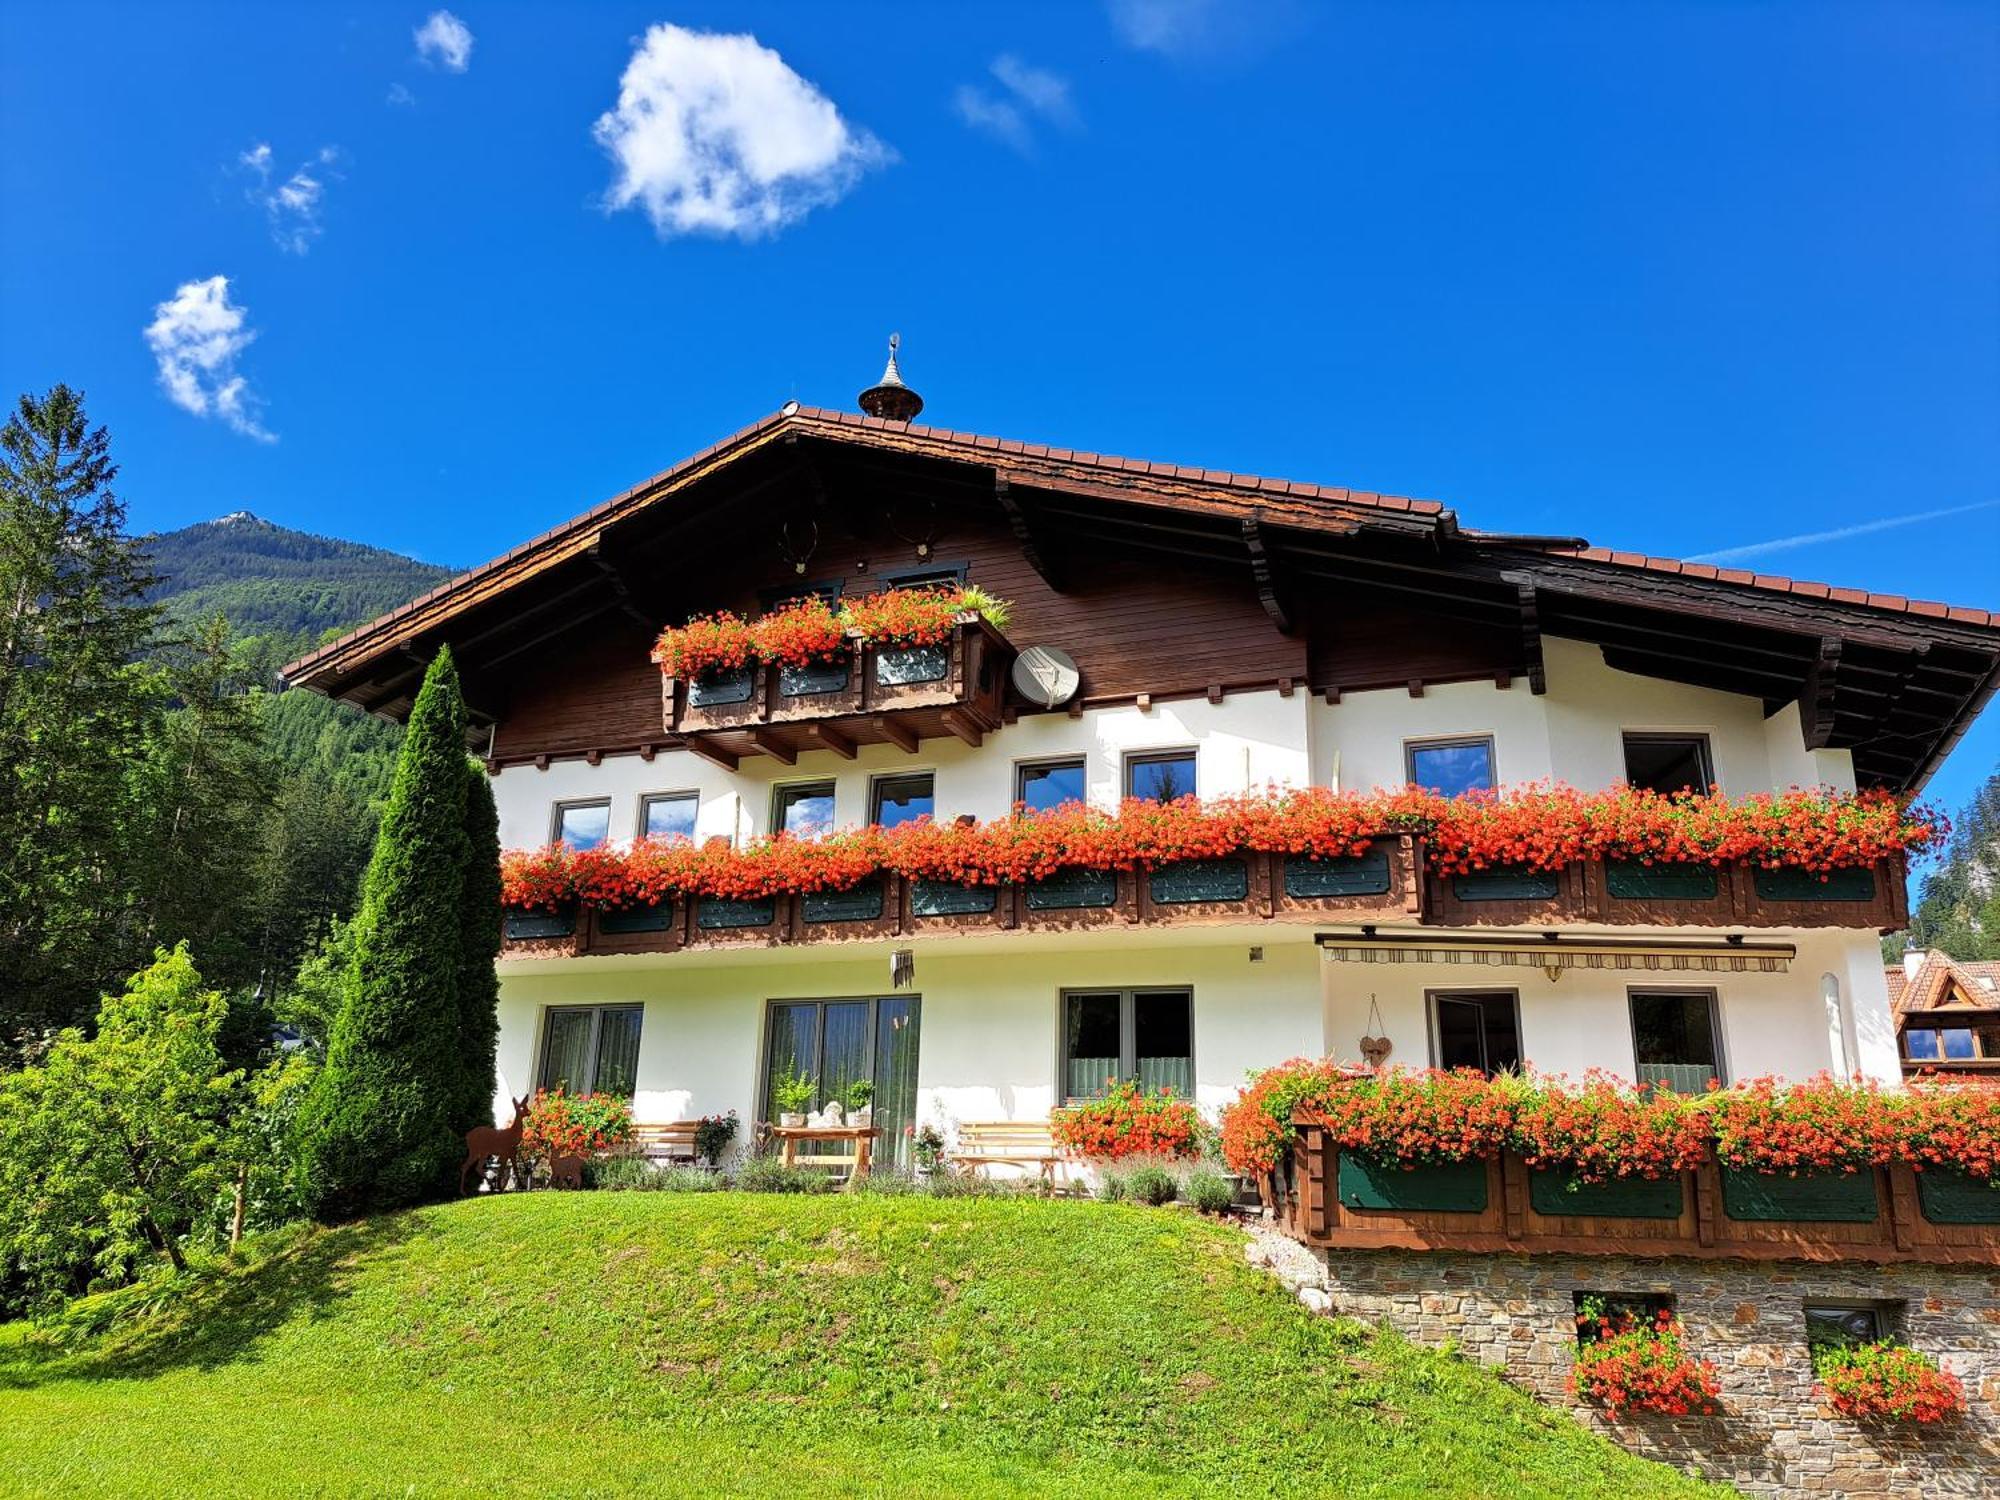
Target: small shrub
x,y
634,1174
1208,1190
1887,1380
769,1174
1112,1186
1151,1185
712,1135
928,1145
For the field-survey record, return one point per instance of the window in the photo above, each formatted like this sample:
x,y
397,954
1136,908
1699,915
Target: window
x,y
1669,762
1451,766
1160,777
900,799
592,1049
1950,1043
1676,1039
934,575
581,825
836,1042
1042,785
829,589
803,809
1476,1030
1640,1309
1143,1035
1841,1325
667,815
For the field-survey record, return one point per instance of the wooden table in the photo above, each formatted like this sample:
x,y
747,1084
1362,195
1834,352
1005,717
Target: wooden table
x,y
860,1140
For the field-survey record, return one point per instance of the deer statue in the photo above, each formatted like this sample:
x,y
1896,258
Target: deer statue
x,y
483,1141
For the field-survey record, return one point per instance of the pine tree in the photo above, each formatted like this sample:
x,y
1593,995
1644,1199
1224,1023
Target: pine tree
x,y
76,705
479,948
1960,910
382,1129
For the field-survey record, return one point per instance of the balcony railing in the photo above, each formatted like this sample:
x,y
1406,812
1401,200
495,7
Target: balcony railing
x,y
1332,1200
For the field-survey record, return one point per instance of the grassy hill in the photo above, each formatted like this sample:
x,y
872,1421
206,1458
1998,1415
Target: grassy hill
x,y
673,1344
271,580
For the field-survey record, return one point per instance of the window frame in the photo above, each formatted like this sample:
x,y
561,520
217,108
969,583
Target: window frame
x,y
1648,1305
1452,742
1714,997
572,804
1704,749
874,1004
877,782
923,575
596,1012
1128,1031
779,595
1136,758
779,789
1885,1315
1049,762
1431,998
647,799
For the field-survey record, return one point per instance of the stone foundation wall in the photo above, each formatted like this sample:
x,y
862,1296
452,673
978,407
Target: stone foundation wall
x,y
1517,1314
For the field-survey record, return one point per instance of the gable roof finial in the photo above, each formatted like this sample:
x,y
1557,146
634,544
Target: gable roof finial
x,y
889,398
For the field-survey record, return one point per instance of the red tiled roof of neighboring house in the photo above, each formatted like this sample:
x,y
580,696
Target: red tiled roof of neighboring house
x,y
1977,980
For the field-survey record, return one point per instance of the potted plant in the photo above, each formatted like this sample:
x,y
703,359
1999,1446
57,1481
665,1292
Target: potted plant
x,y
926,1145
712,1135
1884,1380
860,1101
793,1094
808,644
1627,1363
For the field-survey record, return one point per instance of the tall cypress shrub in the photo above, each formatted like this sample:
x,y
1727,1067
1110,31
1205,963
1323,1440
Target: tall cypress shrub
x,y
479,948
382,1129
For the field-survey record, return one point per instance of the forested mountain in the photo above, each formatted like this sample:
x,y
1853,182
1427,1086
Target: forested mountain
x,y
1960,909
271,580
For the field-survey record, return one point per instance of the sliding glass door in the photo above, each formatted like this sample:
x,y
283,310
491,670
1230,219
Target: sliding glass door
x,y
837,1042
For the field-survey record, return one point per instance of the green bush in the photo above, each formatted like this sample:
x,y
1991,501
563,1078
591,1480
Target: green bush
x,y
1152,1185
1112,1185
1208,1190
769,1174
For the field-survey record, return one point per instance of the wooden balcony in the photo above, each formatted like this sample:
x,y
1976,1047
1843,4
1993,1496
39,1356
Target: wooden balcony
x,y
1381,885
1600,892
871,696
1332,1201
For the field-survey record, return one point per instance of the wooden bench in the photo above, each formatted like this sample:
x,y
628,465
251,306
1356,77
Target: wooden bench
x,y
1007,1143
672,1142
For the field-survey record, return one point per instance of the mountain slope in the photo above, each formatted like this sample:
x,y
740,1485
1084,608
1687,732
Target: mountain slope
x,y
748,1344
271,580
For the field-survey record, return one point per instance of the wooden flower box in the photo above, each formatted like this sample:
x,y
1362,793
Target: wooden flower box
x,y
1950,1197
820,690
964,670
939,906
1551,1193
1386,882
728,922
1871,897
865,911
1809,1198
1077,898
637,929
1234,888
1659,895
1458,1187
1505,897
729,700
540,934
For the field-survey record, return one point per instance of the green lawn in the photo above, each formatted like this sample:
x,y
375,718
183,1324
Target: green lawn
x,y
666,1344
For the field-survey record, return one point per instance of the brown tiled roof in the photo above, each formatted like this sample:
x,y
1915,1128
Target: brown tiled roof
x,y
1977,980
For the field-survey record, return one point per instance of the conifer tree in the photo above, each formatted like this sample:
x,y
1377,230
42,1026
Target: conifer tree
x,y
479,927
382,1129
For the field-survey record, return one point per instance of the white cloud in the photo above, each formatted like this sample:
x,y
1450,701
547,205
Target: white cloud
x,y
1207,32
293,205
1174,28
714,134
444,41
1838,534
195,336
1027,93
400,94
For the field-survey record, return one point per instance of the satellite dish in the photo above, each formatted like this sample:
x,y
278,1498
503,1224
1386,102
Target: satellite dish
x,y
1046,675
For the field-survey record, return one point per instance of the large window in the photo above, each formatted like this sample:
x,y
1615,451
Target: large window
x,y
1452,766
668,815
1476,1029
581,825
803,809
900,799
1950,1043
1160,776
1676,1039
1669,762
591,1049
1043,784
1144,1035
836,1042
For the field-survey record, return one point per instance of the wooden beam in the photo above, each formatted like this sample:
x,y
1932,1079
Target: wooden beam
x,y
774,747
621,588
897,733
711,752
1531,638
1416,687
1816,697
1028,534
1275,599
832,739
961,724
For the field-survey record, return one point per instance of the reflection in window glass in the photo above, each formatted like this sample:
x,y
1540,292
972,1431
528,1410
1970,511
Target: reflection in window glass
x,y
583,825
804,810
1451,767
1958,1042
902,799
670,817
1160,778
1832,1326
1050,784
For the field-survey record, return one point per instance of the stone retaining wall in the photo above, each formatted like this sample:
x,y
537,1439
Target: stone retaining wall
x,y
1516,1313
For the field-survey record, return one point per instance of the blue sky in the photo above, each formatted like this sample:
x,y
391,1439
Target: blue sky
x,y
1681,278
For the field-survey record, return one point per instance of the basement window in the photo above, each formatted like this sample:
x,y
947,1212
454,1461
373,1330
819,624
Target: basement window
x,y
1594,1309
1842,1325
